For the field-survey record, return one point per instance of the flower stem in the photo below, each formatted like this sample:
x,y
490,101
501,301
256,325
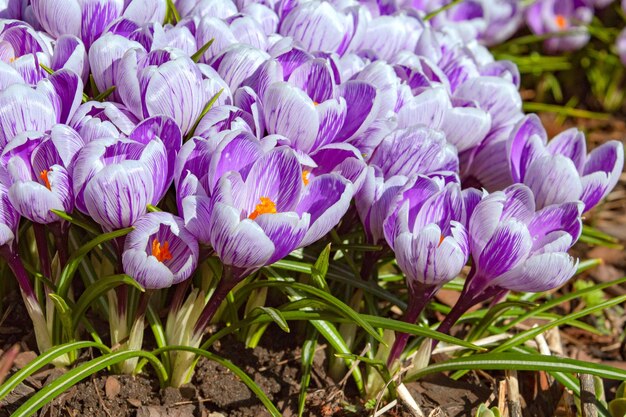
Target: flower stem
x,y
42,249
468,299
61,239
419,295
230,277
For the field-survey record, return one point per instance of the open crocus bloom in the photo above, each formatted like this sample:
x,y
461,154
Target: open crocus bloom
x,y
38,165
553,16
561,171
258,218
517,248
160,252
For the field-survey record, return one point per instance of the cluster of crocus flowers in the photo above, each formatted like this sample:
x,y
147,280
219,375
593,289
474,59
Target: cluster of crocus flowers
x,y
245,130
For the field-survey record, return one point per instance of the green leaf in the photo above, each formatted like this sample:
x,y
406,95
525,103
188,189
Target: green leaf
x,y
72,264
49,70
566,111
159,334
441,9
330,299
617,407
234,369
65,313
535,331
276,316
320,269
206,109
153,209
523,362
598,234
196,57
172,12
74,221
98,289
336,341
599,242
45,359
588,264
493,313
71,378
308,354
560,300
105,94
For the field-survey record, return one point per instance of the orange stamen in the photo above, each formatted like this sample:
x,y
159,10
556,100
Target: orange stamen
x,y
315,103
44,176
162,253
266,206
561,21
305,177
441,238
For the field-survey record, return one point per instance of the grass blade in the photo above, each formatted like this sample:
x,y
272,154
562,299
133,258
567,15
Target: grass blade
x,y
45,359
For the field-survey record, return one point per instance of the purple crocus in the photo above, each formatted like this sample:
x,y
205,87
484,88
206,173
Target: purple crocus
x,y
54,100
165,82
88,19
401,154
38,165
516,248
318,26
116,178
560,171
431,245
259,216
160,252
554,16
96,120
620,45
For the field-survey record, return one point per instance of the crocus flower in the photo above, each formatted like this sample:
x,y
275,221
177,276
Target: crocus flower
x,y
160,252
38,165
165,82
116,178
96,120
88,20
206,8
430,243
318,26
240,29
561,171
465,125
54,100
260,216
554,16
516,248
401,154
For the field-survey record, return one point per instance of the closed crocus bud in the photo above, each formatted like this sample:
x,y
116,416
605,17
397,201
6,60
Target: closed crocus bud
x,y
318,26
54,100
88,19
516,248
554,16
164,82
116,178
465,125
160,252
430,244
414,150
561,171
38,165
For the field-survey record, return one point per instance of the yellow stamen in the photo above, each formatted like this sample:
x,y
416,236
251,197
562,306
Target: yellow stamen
x,y
44,176
315,103
266,206
12,59
305,177
162,253
561,21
